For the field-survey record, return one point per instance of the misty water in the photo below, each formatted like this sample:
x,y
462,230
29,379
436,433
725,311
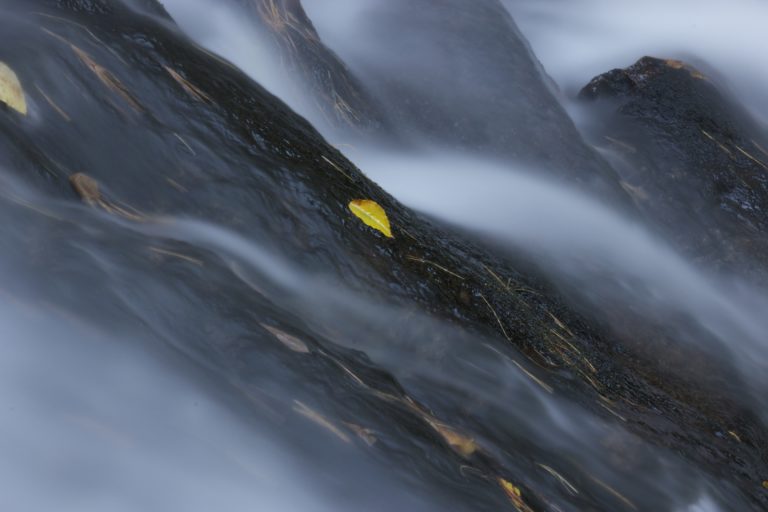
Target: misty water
x,y
100,395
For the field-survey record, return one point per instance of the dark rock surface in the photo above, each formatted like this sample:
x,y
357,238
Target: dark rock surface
x,y
167,130
694,159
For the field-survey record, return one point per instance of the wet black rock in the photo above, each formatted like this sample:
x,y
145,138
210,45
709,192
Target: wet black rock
x,y
149,127
88,6
693,158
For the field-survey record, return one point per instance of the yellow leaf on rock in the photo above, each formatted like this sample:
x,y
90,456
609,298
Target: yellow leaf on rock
x,y
514,495
765,484
11,92
509,488
372,215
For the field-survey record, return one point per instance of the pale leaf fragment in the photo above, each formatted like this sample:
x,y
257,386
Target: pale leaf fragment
x,y
291,342
365,434
88,190
11,92
320,420
86,187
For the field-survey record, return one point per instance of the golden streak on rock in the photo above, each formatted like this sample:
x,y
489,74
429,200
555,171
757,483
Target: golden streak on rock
x,y
191,89
291,342
433,264
107,78
565,483
53,105
498,319
178,255
320,420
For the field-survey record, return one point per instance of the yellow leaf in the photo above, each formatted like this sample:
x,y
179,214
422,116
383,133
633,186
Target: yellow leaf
x,y
11,92
511,490
765,484
514,495
372,215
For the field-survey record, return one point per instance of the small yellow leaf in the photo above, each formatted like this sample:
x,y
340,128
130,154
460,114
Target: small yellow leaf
x,y
514,495
292,342
511,490
372,215
11,92
765,484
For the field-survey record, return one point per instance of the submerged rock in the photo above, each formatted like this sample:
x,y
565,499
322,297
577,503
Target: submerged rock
x,y
695,160
339,95
456,73
461,74
127,115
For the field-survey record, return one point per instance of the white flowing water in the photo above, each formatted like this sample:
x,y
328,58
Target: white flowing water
x,y
577,40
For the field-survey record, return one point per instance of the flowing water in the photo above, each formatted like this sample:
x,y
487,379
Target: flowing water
x,y
579,40
95,394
